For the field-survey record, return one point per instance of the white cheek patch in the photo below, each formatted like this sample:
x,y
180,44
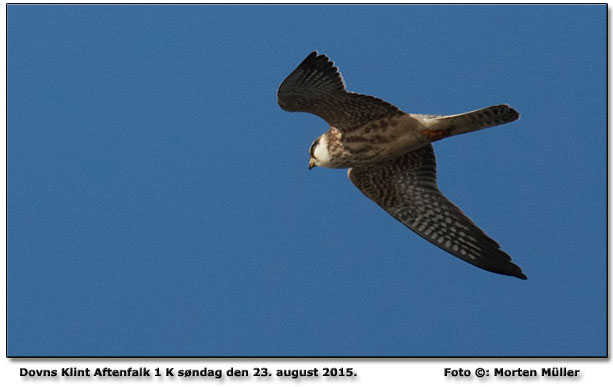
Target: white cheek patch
x,y
321,150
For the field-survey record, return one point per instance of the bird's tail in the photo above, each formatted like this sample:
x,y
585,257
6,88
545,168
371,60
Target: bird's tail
x,y
445,126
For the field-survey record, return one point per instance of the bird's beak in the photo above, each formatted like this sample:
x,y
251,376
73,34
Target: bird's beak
x,y
311,163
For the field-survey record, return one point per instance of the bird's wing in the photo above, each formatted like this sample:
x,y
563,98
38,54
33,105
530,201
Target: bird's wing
x,y
316,87
406,188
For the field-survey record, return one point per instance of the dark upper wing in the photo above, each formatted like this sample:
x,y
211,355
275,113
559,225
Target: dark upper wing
x,y
316,87
406,188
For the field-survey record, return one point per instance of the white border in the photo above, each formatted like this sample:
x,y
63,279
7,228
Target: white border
x,y
385,372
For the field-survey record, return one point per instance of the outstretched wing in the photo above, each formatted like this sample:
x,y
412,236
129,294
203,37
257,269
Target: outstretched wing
x,y
406,188
316,87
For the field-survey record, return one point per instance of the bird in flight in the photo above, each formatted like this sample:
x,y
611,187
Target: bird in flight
x,y
390,157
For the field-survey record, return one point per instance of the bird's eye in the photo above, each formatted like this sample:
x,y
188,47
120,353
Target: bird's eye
x,y
313,147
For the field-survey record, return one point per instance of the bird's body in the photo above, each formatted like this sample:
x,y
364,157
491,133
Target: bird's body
x,y
387,138
377,141
391,159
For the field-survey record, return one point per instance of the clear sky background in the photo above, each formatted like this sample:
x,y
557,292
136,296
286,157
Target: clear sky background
x,y
159,201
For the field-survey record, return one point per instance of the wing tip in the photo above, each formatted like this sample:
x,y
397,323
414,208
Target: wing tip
x,y
511,114
311,57
513,270
302,83
318,61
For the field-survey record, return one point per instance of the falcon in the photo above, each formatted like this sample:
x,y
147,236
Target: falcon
x,y
390,157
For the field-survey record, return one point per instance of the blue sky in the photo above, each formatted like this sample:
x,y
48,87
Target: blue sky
x,y
159,201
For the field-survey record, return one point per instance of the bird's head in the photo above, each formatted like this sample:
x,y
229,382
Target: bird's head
x,y
320,156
